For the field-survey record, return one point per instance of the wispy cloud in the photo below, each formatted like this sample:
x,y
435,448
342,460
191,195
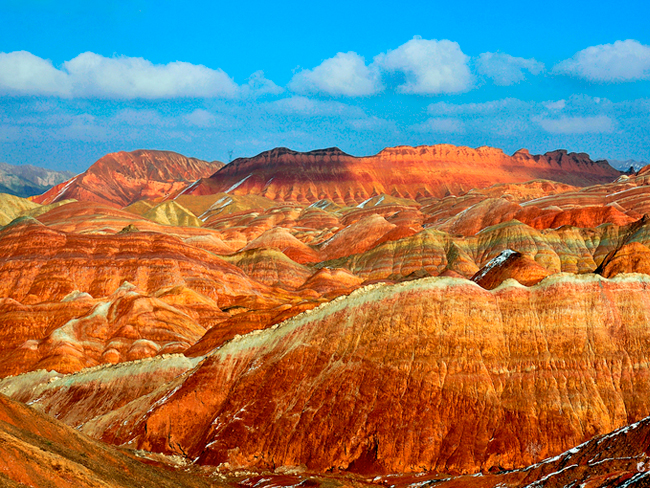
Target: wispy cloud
x,y
577,125
618,62
504,69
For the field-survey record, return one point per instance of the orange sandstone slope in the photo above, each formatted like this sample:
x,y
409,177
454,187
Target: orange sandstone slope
x,y
431,375
37,450
122,178
403,171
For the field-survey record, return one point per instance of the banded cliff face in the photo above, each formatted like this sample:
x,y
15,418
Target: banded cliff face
x,y
431,375
411,172
120,179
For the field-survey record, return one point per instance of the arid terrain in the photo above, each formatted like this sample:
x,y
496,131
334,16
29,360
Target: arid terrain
x,y
432,315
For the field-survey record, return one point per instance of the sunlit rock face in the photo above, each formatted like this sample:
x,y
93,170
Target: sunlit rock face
x,y
430,375
404,171
122,178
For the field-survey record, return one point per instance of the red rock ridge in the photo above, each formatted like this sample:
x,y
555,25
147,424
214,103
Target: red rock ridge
x,y
411,172
122,178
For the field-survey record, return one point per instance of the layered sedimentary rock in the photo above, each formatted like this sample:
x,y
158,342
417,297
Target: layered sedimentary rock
x,y
37,450
172,213
396,379
41,264
629,258
122,178
618,458
123,327
271,267
410,172
435,375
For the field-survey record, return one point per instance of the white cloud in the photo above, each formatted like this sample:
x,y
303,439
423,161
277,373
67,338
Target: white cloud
x,y
577,125
122,77
440,124
430,67
93,76
22,73
622,61
346,74
309,107
506,70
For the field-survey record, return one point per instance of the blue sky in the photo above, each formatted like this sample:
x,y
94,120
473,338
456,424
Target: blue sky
x,y
81,79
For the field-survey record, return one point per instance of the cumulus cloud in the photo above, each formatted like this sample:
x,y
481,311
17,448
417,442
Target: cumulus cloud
x,y
123,77
622,61
429,67
22,73
577,125
91,75
440,124
346,74
505,70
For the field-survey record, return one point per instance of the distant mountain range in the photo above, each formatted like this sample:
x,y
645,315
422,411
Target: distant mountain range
x,y
627,164
403,172
27,180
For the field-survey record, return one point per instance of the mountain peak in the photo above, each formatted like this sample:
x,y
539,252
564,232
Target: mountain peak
x,y
121,178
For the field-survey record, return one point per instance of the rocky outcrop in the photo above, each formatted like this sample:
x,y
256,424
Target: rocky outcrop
x,y
510,265
629,258
122,178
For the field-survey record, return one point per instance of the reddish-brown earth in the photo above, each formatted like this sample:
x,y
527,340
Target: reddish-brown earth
x,y
403,171
407,376
38,451
122,178
535,372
